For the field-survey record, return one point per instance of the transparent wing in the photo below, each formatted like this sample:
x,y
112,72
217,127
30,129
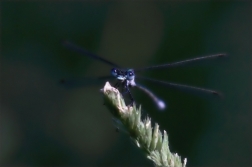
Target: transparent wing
x,y
82,51
169,65
85,81
182,87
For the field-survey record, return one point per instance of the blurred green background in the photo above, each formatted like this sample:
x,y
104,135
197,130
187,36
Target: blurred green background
x,y
42,123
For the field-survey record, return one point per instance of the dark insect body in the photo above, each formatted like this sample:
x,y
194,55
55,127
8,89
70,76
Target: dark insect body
x,y
126,78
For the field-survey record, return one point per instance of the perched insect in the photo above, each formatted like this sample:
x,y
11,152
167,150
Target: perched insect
x,y
126,77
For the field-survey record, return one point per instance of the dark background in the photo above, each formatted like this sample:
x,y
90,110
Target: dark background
x,y
42,123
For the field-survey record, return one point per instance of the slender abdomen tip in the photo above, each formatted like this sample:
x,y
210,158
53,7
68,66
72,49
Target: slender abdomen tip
x,y
161,105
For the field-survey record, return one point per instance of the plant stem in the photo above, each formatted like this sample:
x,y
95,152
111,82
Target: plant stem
x,y
149,139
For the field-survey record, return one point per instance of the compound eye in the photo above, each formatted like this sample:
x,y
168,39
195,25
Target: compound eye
x,y
114,72
130,74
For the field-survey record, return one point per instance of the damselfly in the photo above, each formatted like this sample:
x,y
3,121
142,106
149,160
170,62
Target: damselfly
x,y
126,77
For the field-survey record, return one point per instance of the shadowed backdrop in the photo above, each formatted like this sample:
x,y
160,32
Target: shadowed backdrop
x,y
43,123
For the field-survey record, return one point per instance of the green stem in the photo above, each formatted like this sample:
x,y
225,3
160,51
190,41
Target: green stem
x,y
149,139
